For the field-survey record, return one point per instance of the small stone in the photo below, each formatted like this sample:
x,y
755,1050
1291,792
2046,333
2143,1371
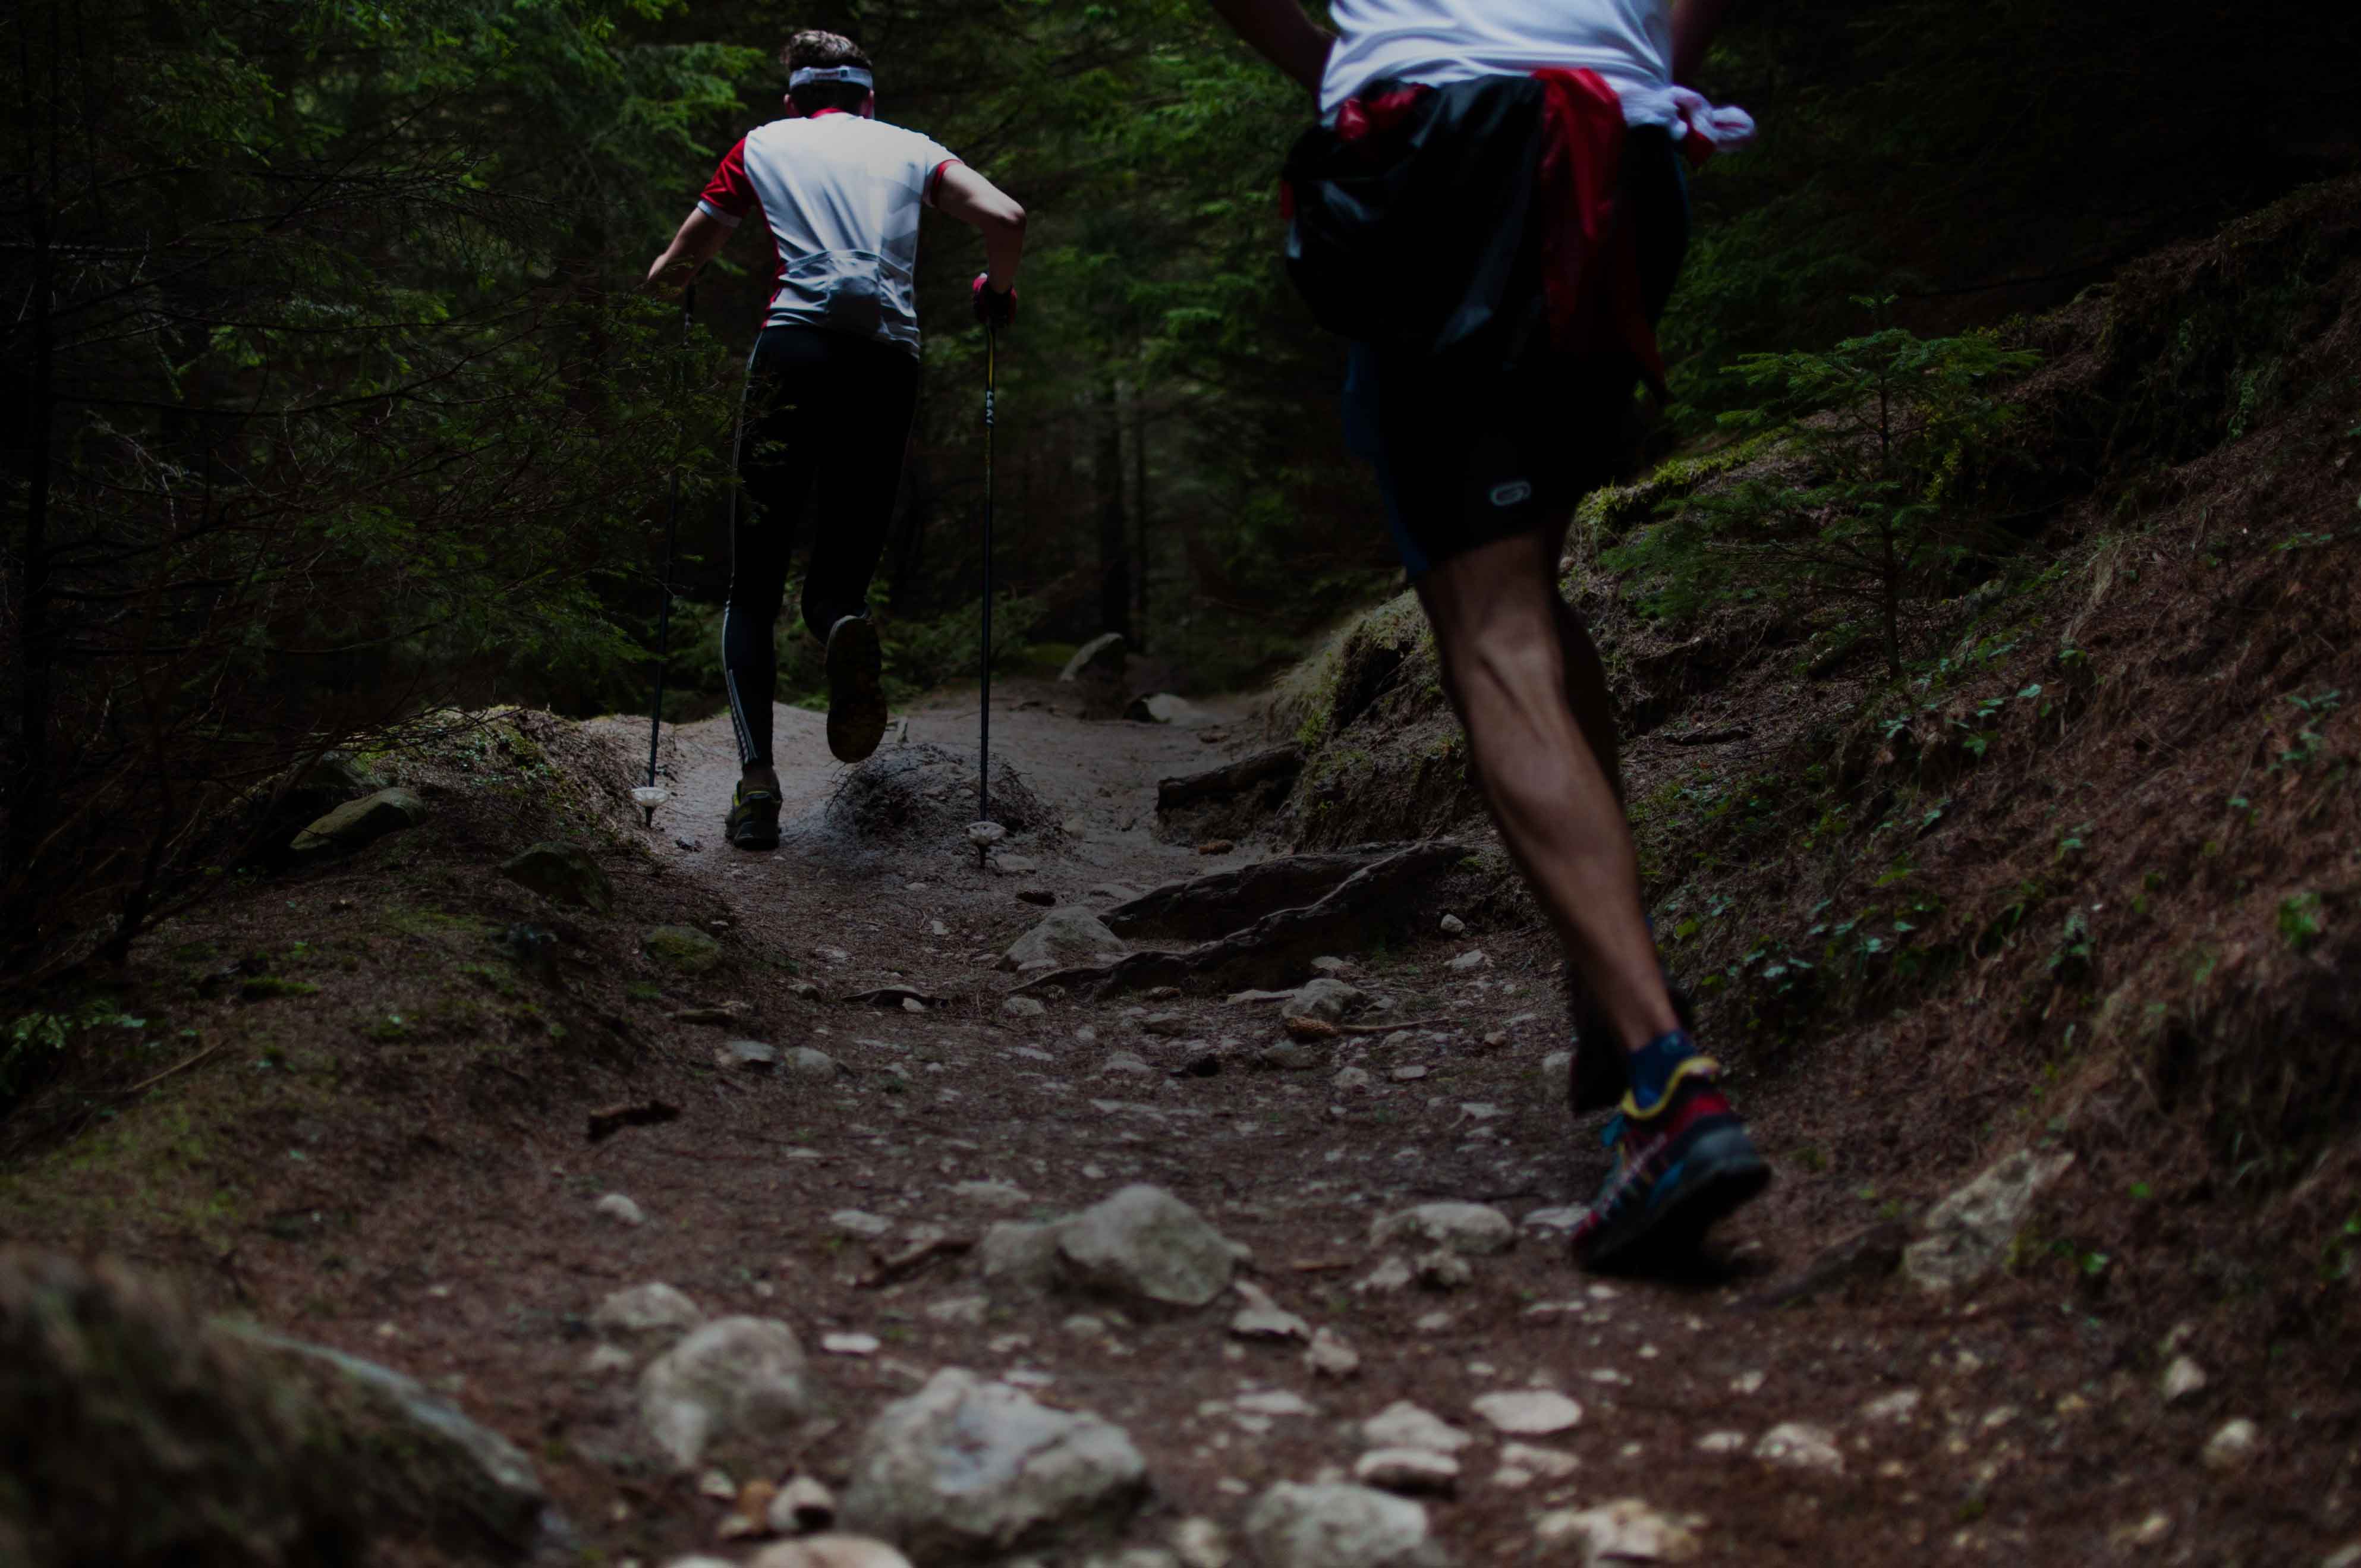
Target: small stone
x,y
1071,935
2233,1447
1409,1073
1201,1544
1040,897
1470,961
716,1483
1392,1273
1968,1233
850,1344
746,1055
607,1359
1798,1445
2184,1380
1444,1270
801,1506
1896,1409
1014,865
2153,1530
1558,1220
1126,1064
1023,1007
1171,1025
1550,1462
1625,1531
961,1311
1276,1402
1332,1355
859,1223
1339,1526
1352,1078
2344,1557
1404,1425
1472,1229
805,1061
645,1314
1452,925
990,1194
1408,1470
620,1210
1332,966
1721,1442
984,835
1534,1412
1264,1319
1746,1382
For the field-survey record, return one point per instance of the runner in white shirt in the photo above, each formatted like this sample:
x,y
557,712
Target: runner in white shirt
x,y
1492,209
833,382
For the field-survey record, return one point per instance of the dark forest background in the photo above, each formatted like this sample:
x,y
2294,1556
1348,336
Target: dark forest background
x,y
327,399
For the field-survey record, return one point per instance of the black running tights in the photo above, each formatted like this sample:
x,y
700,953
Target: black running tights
x,y
825,419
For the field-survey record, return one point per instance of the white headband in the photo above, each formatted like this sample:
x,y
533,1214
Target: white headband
x,y
811,75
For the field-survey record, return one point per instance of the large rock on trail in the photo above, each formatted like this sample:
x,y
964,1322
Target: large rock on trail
x,y
562,873
965,1470
1969,1233
1145,1246
1071,935
1336,1525
135,1434
362,821
734,1378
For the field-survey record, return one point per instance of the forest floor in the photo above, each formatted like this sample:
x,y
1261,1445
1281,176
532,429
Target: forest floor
x,y
389,1157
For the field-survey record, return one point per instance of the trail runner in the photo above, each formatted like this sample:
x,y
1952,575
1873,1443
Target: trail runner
x,y
832,381
1492,207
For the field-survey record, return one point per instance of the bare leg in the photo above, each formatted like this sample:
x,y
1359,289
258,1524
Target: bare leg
x,y
1527,692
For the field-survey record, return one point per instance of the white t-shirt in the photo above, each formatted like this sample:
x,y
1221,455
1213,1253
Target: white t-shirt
x,y
1437,42
841,195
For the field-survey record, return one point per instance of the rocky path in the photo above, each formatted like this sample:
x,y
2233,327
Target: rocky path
x,y
1150,1282
952,1231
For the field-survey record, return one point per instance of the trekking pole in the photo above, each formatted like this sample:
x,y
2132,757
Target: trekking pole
x,y
984,778
651,794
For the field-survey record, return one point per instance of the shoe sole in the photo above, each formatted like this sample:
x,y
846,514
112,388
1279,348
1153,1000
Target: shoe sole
x,y
753,833
1722,1173
856,697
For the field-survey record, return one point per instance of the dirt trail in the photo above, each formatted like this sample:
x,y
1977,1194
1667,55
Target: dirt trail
x,y
2001,1430
428,1198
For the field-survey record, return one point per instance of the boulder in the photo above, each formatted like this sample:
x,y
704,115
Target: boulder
x,y
1327,998
735,1377
1529,1412
1336,1525
1969,1233
562,873
1072,934
1148,1248
362,821
1625,1531
1019,1255
965,1469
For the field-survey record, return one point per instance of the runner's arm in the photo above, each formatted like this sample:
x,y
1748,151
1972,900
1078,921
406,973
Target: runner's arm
x,y
700,238
1282,34
976,201
1694,23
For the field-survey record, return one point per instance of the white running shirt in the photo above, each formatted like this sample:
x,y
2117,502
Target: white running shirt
x,y
842,194
1437,42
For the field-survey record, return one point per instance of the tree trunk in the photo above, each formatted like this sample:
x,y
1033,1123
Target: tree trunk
x,y
1115,538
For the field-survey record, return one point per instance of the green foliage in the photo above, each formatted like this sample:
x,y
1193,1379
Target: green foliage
x,y
1864,497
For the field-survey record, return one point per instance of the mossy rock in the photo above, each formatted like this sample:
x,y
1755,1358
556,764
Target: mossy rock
x,y
562,873
132,1432
362,821
682,949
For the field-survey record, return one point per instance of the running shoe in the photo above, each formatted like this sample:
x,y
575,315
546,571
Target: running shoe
x,y
856,693
1681,1163
753,820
